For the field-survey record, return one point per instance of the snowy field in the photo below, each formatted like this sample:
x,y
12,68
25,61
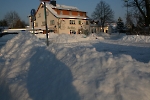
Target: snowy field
x,y
74,67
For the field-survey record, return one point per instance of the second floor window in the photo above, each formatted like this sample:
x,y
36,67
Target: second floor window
x,y
39,15
52,22
72,21
79,22
87,23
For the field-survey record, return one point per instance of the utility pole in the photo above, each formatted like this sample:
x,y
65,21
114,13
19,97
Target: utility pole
x,y
47,42
46,24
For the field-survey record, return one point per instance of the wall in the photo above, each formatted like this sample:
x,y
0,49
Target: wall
x,y
65,25
40,18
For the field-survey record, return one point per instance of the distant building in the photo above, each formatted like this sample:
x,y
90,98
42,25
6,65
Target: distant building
x,y
96,27
61,18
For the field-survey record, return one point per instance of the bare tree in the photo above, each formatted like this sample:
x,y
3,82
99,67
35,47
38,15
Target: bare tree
x,y
3,23
20,24
103,13
12,18
143,7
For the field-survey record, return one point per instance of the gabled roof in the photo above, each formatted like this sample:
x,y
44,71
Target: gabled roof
x,y
50,8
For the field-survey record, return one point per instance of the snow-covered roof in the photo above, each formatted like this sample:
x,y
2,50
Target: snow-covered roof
x,y
50,8
64,7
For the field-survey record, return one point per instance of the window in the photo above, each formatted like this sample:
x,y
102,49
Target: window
x,y
70,13
43,23
72,21
78,13
61,12
79,22
36,24
47,13
72,32
39,15
52,22
87,23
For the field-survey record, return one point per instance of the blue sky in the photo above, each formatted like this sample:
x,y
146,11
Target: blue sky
x,y
23,7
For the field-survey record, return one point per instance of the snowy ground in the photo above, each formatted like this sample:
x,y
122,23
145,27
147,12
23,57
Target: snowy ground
x,y
75,67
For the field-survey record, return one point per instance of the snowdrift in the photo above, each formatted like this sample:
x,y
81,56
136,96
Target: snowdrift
x,y
136,38
31,71
72,38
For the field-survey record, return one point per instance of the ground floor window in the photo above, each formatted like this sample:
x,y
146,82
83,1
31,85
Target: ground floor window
x,y
36,24
72,32
43,23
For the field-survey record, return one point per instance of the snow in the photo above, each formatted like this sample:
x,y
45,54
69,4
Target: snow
x,y
66,7
50,8
136,38
75,67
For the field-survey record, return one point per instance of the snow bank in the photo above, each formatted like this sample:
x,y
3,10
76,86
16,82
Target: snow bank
x,y
67,38
29,70
136,38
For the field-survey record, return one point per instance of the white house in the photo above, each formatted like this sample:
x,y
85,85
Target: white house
x,y
61,18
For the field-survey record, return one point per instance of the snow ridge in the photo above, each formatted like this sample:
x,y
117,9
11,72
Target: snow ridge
x,y
31,70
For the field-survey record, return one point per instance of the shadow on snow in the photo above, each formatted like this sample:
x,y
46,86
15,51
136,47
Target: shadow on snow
x,y
141,54
48,78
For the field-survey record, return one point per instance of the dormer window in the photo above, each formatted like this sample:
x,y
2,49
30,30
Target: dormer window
x,y
70,13
78,13
61,12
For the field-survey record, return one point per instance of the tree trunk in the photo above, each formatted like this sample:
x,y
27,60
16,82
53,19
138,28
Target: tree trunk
x,y
147,17
147,21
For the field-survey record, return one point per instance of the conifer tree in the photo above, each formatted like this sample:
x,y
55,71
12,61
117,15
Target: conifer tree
x,y
120,25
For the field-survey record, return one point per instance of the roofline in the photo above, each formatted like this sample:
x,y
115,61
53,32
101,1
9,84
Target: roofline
x,y
63,16
37,9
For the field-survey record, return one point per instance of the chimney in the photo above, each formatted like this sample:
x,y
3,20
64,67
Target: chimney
x,y
53,2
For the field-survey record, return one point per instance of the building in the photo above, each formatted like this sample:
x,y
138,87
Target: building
x,y
96,27
61,18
